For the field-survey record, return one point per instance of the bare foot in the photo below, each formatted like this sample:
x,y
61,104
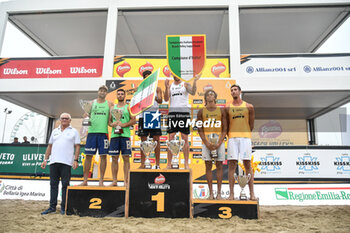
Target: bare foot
x,y
252,197
211,197
101,184
218,197
168,167
113,184
231,197
141,167
85,183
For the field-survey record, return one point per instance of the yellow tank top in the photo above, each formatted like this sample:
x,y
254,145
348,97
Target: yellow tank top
x,y
215,117
239,121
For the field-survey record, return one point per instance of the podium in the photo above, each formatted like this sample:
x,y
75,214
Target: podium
x,y
159,193
225,209
96,201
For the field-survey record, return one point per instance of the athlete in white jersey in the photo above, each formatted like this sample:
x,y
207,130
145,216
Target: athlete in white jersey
x,y
179,112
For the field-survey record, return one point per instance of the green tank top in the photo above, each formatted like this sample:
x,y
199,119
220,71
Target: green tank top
x,y
125,119
99,117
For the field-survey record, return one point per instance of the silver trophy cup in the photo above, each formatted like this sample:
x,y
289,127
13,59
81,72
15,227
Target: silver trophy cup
x,y
175,147
86,105
242,180
213,138
117,115
148,147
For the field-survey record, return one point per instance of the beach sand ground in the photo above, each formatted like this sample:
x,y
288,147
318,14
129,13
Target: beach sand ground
x,y
24,216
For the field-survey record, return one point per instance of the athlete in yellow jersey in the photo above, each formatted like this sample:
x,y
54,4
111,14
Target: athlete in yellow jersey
x,y
241,117
211,113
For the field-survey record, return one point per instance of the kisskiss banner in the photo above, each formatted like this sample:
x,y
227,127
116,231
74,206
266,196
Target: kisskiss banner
x,y
51,67
303,163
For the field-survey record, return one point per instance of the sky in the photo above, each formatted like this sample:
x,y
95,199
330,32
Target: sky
x,y
17,44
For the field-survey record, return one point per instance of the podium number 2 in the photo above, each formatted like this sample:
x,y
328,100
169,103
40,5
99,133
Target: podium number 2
x,y
95,203
159,198
226,212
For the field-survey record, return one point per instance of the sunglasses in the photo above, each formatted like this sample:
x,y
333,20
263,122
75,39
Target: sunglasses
x,y
65,118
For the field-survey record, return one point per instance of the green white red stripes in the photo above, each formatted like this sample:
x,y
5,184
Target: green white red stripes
x,y
144,96
186,55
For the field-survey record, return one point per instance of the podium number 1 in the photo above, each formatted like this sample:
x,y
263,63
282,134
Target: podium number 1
x,y
159,198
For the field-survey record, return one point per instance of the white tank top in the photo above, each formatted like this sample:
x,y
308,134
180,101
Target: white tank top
x,y
179,98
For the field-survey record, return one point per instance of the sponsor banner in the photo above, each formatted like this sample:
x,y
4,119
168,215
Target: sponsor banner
x,y
51,67
301,65
37,190
285,194
27,159
303,163
26,189
132,67
186,55
279,133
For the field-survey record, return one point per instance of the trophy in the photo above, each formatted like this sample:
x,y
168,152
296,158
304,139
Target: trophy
x,y
213,138
86,106
175,147
117,114
242,180
147,147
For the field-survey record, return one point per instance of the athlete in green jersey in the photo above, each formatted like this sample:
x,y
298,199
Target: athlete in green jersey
x,y
120,142
97,138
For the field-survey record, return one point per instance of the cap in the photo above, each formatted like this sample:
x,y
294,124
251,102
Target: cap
x,y
104,87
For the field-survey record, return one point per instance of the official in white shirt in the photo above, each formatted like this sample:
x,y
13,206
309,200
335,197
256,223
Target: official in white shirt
x,y
63,151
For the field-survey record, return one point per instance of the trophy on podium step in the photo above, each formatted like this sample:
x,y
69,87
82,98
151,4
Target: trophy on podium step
x,y
213,138
148,147
175,147
242,180
86,105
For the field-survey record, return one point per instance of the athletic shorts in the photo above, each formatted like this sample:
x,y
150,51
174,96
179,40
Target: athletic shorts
x,y
220,151
96,141
120,144
147,132
177,122
239,148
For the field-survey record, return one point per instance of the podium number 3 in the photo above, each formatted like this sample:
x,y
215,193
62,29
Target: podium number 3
x,y
159,198
95,203
226,212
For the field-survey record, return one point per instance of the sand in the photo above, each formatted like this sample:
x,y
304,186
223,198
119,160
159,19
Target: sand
x,y
24,216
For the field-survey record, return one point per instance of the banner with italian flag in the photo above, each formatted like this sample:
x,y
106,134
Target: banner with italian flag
x,y
144,96
186,55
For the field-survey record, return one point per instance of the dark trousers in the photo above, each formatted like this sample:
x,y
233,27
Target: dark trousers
x,y
57,171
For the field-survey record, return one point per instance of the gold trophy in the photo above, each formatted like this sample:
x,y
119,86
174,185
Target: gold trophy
x,y
242,180
175,147
213,138
117,115
147,147
86,105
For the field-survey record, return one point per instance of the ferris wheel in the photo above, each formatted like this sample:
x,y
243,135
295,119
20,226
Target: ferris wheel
x,y
32,125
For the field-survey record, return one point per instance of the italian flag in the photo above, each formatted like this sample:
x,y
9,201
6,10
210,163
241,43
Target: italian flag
x,y
144,96
186,55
